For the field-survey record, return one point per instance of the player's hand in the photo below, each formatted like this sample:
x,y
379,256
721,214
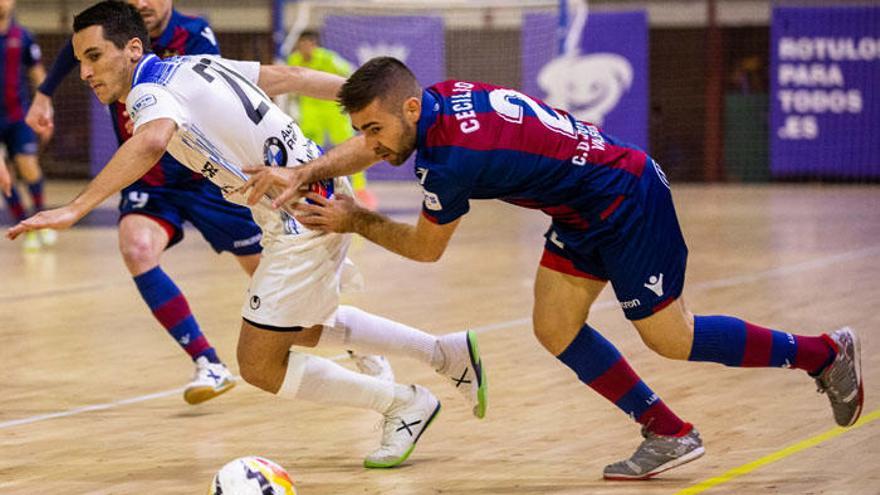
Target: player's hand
x,y
129,124
5,179
271,180
41,116
59,218
327,215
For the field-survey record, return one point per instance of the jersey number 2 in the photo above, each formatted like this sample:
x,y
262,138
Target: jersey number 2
x,y
255,114
509,104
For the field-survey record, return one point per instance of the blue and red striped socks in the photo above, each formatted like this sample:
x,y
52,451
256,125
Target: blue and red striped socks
x,y
599,364
169,306
15,206
734,342
36,190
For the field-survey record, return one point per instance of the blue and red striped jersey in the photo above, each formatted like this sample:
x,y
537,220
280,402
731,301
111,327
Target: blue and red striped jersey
x,y
478,141
18,53
184,35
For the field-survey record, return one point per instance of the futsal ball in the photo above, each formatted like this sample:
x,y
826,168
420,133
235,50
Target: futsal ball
x,y
252,476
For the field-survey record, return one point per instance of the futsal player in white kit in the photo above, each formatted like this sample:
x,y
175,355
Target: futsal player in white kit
x,y
213,115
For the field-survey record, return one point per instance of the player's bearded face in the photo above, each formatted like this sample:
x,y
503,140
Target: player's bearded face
x,y
154,13
390,134
104,67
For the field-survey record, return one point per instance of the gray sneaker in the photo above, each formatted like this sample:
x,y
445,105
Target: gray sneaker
x,y
656,454
842,379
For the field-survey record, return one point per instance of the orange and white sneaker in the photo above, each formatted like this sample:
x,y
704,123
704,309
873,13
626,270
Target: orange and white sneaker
x,y
209,381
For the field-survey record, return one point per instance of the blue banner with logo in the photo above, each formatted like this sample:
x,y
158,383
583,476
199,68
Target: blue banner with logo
x,y
601,76
825,105
417,41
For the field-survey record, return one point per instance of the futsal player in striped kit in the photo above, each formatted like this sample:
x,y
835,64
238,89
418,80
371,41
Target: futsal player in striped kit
x,y
20,63
612,219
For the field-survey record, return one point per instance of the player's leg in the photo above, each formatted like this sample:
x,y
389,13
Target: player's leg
x,y
651,269
21,144
832,359
455,356
149,224
564,291
266,361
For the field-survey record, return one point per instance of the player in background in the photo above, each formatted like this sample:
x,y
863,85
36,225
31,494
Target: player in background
x,y
5,179
211,116
154,209
612,219
323,121
20,58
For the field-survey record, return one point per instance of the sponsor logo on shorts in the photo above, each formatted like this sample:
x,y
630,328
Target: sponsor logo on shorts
x,y
274,152
250,241
634,303
655,284
209,170
255,302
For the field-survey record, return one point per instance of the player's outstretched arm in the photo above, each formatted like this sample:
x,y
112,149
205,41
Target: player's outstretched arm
x,y
131,161
425,241
350,157
281,79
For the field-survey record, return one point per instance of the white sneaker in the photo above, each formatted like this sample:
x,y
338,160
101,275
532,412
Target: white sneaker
x,y
405,421
464,367
209,381
48,237
31,242
373,365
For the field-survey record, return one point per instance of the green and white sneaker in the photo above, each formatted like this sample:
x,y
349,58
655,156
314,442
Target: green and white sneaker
x,y
405,421
656,454
464,368
842,379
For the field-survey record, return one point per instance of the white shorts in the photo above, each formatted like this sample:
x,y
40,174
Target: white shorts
x,y
297,283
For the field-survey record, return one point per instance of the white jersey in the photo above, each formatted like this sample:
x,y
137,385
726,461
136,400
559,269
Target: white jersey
x,y
224,121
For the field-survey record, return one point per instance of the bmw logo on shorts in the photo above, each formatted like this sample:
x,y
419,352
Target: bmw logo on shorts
x,y
274,153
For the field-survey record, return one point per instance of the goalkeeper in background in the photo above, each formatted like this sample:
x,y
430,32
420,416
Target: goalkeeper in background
x,y
323,121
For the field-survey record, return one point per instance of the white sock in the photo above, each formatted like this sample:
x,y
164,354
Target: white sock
x,y
320,380
372,334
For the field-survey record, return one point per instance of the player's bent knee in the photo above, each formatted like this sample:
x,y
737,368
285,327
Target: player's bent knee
x,y
554,339
138,252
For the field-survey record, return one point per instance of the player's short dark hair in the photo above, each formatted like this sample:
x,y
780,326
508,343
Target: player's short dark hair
x,y
309,34
121,22
385,78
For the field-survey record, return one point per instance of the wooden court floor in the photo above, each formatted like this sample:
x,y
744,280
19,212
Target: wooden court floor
x,y
90,386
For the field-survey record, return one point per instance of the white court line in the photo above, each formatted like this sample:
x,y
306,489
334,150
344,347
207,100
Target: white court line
x,y
714,284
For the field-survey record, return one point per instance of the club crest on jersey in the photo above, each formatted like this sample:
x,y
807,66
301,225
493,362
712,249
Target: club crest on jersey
x,y
274,153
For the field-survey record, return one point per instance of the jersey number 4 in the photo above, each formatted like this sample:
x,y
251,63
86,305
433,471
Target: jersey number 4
x,y
255,114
